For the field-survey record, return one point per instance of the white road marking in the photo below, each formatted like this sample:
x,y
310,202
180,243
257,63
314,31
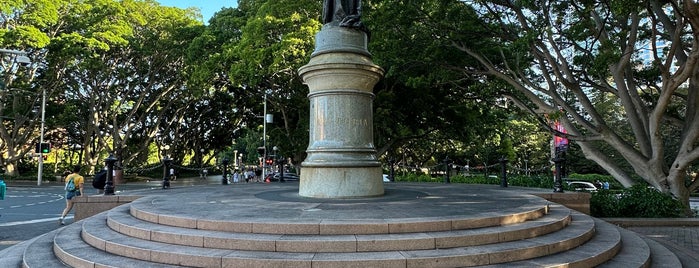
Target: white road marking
x,y
32,221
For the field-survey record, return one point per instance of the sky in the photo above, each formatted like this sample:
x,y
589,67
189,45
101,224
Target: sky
x,y
207,7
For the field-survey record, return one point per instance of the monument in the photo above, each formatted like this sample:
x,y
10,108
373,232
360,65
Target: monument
x,y
340,75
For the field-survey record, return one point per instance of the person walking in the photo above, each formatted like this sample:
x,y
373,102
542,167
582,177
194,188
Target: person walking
x,y
77,190
236,176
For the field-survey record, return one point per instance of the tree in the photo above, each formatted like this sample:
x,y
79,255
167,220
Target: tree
x,y
619,75
426,108
122,61
256,50
26,26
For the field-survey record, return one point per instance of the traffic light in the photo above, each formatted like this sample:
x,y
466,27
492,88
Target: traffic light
x,y
269,161
261,150
43,148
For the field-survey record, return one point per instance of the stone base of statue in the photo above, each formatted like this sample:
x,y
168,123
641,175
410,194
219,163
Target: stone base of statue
x,y
341,161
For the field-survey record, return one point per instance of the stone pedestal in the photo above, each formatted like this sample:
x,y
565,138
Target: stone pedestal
x,y
341,161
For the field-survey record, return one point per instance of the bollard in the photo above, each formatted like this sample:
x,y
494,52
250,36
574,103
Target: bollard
x,y
503,172
166,174
281,169
224,180
109,184
447,161
557,181
392,174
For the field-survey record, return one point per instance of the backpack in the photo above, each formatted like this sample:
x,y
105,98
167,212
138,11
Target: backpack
x,y
70,186
100,180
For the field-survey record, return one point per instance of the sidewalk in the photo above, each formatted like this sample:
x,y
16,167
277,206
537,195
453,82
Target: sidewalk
x,y
682,240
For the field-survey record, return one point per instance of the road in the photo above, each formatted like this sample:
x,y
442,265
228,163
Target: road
x,y
29,210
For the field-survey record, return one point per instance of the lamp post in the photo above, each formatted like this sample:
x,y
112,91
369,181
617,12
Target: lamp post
x,y
201,163
392,174
558,165
235,159
266,118
224,180
447,161
109,185
22,59
166,167
503,172
41,137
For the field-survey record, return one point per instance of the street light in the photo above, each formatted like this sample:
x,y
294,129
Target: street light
x,y
41,138
201,163
166,167
266,118
224,180
447,163
22,59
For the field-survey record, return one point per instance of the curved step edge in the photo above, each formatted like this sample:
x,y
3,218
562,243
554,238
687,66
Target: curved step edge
x,y
121,221
69,248
634,252
338,227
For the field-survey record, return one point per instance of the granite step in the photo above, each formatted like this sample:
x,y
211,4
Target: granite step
x,y
233,227
69,248
660,255
96,233
605,244
13,256
39,253
120,220
250,220
635,252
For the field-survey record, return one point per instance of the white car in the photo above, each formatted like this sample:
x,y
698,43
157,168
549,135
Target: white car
x,y
582,186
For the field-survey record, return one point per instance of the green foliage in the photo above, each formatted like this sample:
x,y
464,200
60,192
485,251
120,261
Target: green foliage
x,y
638,201
414,177
604,203
521,181
545,182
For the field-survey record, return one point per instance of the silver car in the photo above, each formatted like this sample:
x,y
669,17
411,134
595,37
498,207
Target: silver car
x,y
582,186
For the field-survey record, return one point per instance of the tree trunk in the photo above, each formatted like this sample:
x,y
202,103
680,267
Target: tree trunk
x,y
11,169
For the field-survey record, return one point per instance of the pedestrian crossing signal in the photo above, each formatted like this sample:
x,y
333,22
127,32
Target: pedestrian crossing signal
x,y
43,148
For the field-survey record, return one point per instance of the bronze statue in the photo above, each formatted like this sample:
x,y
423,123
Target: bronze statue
x,y
346,13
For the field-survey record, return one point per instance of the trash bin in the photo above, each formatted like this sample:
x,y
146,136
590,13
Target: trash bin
x,y
3,188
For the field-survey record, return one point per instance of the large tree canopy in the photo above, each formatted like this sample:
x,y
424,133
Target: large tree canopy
x,y
426,107
108,68
622,76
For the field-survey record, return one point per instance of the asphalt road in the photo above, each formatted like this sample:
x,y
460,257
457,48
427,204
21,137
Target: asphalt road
x,y
30,210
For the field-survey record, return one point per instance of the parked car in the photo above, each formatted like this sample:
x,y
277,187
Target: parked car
x,y
287,176
582,186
